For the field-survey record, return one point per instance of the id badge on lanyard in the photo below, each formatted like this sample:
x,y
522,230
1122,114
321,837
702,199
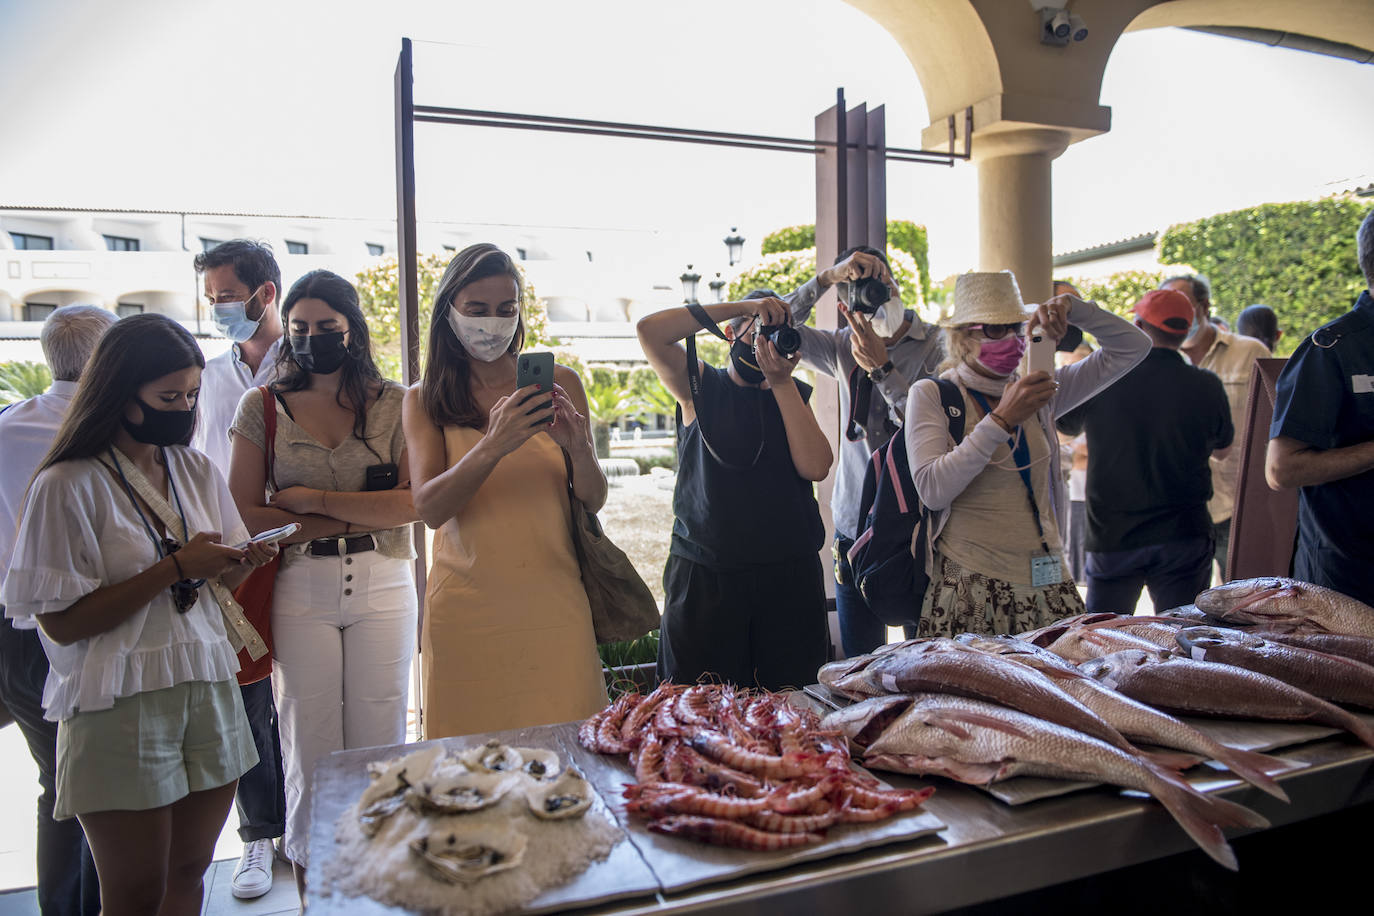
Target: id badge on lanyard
x,y
1045,571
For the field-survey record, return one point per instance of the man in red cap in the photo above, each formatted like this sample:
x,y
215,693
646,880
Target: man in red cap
x,y
1151,435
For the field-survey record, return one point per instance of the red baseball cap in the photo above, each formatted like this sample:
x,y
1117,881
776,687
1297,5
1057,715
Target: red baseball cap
x,y
1166,309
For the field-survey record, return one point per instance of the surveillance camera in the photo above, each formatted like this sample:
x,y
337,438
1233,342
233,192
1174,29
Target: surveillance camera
x,y
1059,24
1078,27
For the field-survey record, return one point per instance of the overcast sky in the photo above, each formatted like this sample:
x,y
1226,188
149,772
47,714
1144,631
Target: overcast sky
x,y
286,107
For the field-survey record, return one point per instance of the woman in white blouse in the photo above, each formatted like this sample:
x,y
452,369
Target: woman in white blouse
x,y
998,500
123,561
344,605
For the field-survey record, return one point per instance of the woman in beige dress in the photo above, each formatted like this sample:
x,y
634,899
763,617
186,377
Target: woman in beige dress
x,y
506,640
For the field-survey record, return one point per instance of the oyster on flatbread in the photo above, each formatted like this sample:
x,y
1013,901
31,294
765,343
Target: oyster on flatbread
x,y
463,856
567,796
390,781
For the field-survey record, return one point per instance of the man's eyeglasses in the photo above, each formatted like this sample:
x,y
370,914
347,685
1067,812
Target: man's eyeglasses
x,y
184,591
998,331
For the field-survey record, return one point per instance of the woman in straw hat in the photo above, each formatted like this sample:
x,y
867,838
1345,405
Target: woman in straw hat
x,y
997,499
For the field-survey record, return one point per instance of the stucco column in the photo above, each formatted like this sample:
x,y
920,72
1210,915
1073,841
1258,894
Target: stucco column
x,y
1014,212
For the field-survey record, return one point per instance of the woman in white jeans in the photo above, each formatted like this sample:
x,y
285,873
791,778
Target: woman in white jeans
x,y
344,604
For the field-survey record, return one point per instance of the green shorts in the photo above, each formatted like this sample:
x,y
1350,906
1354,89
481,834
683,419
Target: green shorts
x,y
152,749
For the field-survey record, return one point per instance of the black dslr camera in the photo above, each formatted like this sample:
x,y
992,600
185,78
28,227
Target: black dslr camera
x,y
785,337
866,295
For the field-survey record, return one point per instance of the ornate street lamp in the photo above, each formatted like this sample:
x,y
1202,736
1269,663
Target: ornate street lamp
x,y
734,243
689,284
718,288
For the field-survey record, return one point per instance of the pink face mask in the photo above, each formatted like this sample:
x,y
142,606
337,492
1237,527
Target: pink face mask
x,y
1001,357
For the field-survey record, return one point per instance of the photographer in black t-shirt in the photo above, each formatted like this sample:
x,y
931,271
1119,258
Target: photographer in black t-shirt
x,y
745,600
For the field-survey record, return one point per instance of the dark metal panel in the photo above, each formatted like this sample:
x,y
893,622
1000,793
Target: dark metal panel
x,y
830,229
876,155
856,177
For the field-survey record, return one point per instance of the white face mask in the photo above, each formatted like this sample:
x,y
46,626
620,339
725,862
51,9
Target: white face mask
x,y
484,338
231,319
888,319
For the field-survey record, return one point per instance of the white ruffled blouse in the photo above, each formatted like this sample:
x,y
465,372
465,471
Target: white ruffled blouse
x,y
80,532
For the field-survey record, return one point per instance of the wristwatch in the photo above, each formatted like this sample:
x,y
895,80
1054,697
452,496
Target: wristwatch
x,y
880,373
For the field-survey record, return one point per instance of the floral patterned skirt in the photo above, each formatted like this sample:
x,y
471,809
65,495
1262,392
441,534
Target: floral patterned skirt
x,y
959,600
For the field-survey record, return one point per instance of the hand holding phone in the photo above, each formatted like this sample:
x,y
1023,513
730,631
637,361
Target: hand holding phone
x,y
1039,352
272,535
536,369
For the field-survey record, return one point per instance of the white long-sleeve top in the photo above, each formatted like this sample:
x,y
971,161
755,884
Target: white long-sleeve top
x,y
941,470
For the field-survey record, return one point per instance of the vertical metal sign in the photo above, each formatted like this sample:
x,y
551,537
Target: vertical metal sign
x,y
408,292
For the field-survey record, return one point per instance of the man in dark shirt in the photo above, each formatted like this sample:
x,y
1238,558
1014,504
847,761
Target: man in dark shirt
x,y
1322,440
1150,436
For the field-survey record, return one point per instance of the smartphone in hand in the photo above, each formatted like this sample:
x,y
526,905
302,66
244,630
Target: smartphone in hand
x,y
536,369
271,536
1039,353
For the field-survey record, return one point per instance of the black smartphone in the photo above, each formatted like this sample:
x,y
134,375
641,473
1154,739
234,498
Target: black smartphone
x,y
536,369
381,477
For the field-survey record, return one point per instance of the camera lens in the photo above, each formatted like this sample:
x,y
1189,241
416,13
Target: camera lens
x,y
867,294
784,337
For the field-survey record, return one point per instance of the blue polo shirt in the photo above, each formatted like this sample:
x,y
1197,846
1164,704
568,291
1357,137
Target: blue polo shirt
x,y
1325,400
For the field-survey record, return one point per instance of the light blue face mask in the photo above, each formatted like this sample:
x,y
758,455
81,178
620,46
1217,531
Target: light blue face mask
x,y
231,319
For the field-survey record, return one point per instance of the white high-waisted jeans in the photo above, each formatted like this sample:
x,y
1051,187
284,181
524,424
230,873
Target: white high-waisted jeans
x,y
343,634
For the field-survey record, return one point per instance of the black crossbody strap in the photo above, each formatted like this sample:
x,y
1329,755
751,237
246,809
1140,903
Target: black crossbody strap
x,y
694,383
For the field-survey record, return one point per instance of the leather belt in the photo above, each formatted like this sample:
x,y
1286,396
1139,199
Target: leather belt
x,y
337,547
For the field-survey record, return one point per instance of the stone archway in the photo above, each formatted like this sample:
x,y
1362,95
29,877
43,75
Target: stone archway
x,y
1031,100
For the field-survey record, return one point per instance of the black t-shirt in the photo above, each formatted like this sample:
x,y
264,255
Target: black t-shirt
x,y
1325,399
733,518
1149,436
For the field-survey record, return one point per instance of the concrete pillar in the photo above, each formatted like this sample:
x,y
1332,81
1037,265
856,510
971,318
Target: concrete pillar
x,y
1014,208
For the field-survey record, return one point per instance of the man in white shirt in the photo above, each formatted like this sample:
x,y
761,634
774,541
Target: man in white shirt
x,y
243,284
67,882
1230,357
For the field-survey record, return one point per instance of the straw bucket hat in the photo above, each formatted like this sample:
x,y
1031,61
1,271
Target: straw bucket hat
x,y
986,298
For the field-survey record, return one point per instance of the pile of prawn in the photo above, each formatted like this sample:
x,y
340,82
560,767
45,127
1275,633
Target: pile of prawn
x,y
737,768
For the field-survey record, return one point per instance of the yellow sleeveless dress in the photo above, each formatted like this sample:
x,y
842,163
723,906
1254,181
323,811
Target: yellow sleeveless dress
x,y
507,638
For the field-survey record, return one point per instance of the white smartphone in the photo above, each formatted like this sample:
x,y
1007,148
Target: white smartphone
x,y
1039,353
272,535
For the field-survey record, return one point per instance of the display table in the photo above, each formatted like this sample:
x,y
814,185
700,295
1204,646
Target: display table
x,y
986,851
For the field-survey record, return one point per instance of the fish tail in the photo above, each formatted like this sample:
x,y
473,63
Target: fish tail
x,y
1357,727
1172,761
1253,768
1195,816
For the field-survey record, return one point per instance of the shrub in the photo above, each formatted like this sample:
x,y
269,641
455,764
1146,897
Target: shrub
x,y
20,379
786,271
660,459
1297,258
1118,292
902,235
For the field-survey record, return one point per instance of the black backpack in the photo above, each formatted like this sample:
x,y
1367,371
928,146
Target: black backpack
x,y
891,579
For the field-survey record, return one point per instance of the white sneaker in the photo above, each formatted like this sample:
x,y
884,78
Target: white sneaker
x,y
253,877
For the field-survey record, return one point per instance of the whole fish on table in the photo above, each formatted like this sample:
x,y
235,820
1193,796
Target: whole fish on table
x,y
1287,604
1360,648
1134,719
1180,684
1080,643
1331,677
978,743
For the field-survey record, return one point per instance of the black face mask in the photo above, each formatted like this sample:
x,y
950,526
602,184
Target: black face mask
x,y
745,362
320,353
161,427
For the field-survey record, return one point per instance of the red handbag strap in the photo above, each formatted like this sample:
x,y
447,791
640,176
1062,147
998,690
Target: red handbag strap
x,y
269,429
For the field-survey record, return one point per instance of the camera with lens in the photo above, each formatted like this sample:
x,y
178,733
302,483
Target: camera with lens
x,y
867,294
784,337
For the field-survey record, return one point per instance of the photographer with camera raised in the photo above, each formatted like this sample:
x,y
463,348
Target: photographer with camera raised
x,y
744,595
883,349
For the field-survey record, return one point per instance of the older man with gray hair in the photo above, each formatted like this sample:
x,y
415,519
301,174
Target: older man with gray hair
x,y
66,873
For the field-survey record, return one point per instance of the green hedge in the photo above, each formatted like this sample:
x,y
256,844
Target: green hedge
x,y
1119,292
1297,258
902,235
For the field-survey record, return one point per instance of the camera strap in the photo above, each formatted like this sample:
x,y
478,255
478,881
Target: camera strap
x,y
860,396
694,383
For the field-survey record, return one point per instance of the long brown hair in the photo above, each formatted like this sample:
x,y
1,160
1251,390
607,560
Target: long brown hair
x,y
133,352
446,390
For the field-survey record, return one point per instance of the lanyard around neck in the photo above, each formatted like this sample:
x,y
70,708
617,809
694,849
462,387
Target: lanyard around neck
x,y
1020,457
171,482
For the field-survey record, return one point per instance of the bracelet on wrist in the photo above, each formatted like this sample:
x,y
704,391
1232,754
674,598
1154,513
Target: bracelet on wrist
x,y
999,420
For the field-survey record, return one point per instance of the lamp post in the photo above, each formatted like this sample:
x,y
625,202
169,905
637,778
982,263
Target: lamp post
x,y
689,284
734,243
717,288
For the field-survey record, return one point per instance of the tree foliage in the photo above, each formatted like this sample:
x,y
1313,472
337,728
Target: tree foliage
x,y
1118,292
20,379
902,235
1297,258
784,271
378,294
